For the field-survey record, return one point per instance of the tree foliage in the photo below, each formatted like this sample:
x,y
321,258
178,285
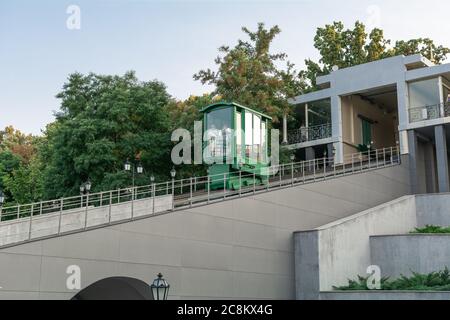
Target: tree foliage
x,y
249,74
344,48
104,121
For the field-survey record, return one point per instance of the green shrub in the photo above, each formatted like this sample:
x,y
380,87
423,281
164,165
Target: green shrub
x,y
435,281
432,229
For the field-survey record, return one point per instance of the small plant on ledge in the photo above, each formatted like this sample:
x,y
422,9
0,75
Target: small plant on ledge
x,y
435,281
429,229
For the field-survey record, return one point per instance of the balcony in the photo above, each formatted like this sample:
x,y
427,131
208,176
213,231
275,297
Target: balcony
x,y
307,134
436,111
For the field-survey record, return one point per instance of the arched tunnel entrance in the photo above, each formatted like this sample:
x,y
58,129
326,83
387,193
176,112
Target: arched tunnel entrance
x,y
116,288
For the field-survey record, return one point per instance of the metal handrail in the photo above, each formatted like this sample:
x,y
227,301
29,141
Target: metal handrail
x,y
429,112
184,193
312,133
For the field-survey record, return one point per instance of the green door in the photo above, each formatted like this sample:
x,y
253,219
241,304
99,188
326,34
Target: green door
x,y
366,132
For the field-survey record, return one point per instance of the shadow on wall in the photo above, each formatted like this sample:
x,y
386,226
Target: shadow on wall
x,y
116,288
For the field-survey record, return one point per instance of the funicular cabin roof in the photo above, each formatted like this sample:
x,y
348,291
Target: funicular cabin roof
x,y
233,104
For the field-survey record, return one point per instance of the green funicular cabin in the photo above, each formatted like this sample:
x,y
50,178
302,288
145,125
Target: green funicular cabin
x,y
236,146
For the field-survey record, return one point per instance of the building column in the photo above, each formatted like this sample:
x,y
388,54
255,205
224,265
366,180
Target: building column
x,y
336,127
441,158
413,174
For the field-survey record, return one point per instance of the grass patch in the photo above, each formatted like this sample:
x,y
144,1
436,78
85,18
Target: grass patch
x,y
432,229
435,281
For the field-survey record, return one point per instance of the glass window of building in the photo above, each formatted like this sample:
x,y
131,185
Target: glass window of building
x,y
424,93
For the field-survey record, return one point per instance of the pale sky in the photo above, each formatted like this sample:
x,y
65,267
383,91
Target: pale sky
x,y
168,40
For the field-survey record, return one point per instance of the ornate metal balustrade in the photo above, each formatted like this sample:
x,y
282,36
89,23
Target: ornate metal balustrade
x,y
436,111
307,134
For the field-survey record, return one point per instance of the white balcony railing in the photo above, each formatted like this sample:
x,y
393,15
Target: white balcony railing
x,y
436,111
307,134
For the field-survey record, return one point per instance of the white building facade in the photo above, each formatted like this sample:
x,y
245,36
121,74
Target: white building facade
x,y
399,101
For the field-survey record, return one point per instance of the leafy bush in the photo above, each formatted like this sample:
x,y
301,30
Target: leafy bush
x,y
432,229
435,281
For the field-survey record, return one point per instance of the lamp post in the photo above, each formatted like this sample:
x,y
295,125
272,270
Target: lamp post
x,y
128,166
85,189
160,288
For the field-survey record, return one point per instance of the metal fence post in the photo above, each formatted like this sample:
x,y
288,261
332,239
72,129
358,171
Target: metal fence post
x,y
190,194
280,172
60,215
208,188
86,211
324,168
292,173
376,156
240,183
132,202
18,211
392,156
31,222
314,169
153,196
224,186
110,207
254,182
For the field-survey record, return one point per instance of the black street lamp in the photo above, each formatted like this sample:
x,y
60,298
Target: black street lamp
x,y
160,288
139,169
85,189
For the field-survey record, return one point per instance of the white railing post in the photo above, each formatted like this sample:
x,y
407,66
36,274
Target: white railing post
x,y
190,193
60,215
110,207
86,211
31,222
208,186
314,170
376,157
133,191
254,182
324,168
224,186
292,173
240,183
280,172
18,212
153,196
360,162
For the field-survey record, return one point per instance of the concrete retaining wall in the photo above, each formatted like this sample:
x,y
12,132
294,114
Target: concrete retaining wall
x,y
232,249
75,219
330,255
338,251
402,254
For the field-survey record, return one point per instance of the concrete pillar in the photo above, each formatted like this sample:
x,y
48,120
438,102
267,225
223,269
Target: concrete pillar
x,y
336,127
285,137
413,172
441,158
430,168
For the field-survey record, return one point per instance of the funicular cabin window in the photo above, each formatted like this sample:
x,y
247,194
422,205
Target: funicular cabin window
x,y
257,138
248,134
238,136
219,123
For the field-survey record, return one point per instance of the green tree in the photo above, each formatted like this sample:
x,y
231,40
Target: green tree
x,y
103,121
249,74
344,48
